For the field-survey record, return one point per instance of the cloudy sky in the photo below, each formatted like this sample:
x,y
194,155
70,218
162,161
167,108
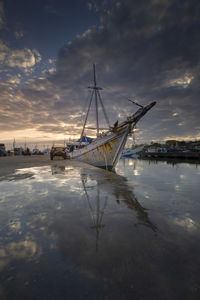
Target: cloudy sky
x,y
145,50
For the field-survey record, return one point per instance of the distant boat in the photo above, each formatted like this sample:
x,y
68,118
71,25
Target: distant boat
x,y
128,152
18,151
105,150
46,151
35,151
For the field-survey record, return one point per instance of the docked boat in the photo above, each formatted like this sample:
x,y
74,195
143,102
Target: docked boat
x,y
128,152
105,150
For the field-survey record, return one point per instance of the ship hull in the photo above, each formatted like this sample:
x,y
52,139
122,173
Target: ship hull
x,y
104,152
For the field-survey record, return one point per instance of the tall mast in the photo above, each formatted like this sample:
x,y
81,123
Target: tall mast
x,y
82,133
96,100
97,96
14,143
94,72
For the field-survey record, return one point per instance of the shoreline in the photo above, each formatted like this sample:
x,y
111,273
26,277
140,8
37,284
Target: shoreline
x,y
9,164
172,155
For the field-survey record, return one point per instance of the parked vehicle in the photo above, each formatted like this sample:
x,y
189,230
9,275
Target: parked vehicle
x,y
3,146
58,150
3,152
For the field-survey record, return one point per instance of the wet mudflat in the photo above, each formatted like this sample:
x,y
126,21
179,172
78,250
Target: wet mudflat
x,y
72,231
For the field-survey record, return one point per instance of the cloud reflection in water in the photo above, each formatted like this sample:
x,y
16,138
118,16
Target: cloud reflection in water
x,y
79,230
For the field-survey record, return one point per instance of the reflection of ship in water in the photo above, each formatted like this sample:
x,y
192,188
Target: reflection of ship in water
x,y
57,169
104,184
61,169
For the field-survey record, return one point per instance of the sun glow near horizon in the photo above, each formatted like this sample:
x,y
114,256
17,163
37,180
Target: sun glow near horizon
x,y
34,136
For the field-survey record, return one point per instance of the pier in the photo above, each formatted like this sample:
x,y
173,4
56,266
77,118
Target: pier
x,y
177,155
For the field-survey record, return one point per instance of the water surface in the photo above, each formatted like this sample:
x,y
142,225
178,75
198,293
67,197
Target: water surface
x,y
85,233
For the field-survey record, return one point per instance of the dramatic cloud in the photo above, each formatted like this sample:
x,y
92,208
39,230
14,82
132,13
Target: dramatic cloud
x,y
10,57
19,34
146,49
2,15
24,58
3,51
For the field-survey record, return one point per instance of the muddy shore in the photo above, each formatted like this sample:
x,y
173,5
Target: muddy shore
x,y
9,164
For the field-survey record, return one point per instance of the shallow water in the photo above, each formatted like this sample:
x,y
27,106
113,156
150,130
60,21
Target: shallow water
x,y
86,233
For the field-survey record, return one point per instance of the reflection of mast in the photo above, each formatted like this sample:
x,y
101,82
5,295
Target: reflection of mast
x,y
98,215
